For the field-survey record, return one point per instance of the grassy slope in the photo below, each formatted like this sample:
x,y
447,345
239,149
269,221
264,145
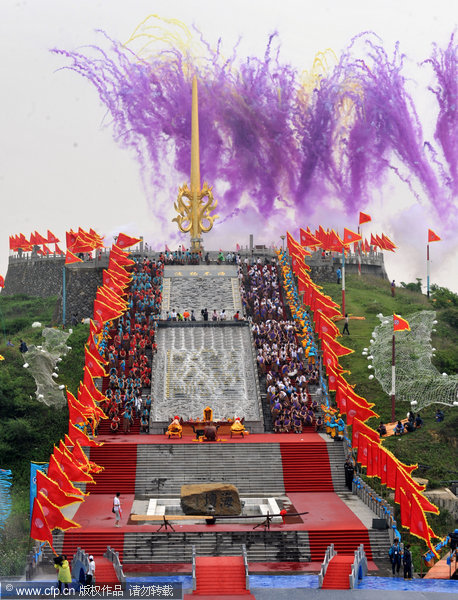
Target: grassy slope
x,y
28,428
367,296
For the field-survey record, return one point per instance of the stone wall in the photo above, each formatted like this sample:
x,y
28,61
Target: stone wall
x,y
43,277
37,277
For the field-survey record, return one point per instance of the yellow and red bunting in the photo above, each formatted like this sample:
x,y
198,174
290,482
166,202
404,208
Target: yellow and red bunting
x,y
51,490
77,435
56,473
309,240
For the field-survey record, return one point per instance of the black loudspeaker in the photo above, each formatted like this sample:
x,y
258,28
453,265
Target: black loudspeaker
x,y
379,524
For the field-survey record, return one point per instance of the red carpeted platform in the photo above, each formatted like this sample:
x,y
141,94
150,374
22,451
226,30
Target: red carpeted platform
x,y
221,576
120,465
306,437
345,542
306,467
338,572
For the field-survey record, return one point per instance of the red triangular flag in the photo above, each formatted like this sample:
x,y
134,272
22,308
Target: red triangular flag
x,y
350,237
51,490
70,258
364,218
400,324
432,237
125,241
39,528
53,515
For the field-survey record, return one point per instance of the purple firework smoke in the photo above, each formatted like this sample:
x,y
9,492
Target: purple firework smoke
x,y
445,65
267,139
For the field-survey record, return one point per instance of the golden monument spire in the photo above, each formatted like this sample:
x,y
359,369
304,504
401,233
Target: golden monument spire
x,y
191,216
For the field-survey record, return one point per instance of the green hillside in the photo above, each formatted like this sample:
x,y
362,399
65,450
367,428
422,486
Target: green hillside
x,y
368,296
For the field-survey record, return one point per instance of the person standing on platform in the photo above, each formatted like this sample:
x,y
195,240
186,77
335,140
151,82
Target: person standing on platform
x,y
90,571
117,509
407,562
349,471
395,556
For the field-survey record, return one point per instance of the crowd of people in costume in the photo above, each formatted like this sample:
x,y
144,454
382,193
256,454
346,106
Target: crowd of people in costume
x,y
281,356
126,350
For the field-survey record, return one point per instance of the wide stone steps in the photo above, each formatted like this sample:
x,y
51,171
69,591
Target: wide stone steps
x,y
336,455
255,469
269,546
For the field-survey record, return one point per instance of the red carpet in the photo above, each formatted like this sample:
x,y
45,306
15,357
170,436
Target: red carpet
x,y
306,467
337,574
345,542
220,575
120,464
93,542
94,514
104,571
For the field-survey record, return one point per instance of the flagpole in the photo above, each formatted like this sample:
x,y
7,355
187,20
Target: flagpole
x,y
427,270
359,251
393,379
64,297
343,280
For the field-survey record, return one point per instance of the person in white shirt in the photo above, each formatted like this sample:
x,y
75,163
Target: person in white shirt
x,y
117,509
90,571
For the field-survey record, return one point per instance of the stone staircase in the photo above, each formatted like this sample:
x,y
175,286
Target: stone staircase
x,y
200,286
170,547
255,469
205,365
336,453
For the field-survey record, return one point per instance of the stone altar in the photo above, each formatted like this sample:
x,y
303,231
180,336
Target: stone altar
x,y
223,497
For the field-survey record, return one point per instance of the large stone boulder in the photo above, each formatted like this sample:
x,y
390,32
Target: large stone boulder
x,y
223,497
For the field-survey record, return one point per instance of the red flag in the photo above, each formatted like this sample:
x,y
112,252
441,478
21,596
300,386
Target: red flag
x,y
360,427
373,459
334,242
432,237
70,237
104,313
350,237
400,324
111,281
2,281
121,257
71,470
58,250
374,241
71,258
77,435
76,413
364,218
56,473
93,364
356,410
405,506
51,490
53,515
39,239
419,525
88,383
363,443
309,240
125,241
52,238
39,528
388,243
334,345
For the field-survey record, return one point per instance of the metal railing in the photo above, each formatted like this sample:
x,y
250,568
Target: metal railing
x,y
193,568
359,567
245,562
34,560
113,557
330,553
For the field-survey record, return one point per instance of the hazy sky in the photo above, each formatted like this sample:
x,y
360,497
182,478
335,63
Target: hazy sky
x,y
61,168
